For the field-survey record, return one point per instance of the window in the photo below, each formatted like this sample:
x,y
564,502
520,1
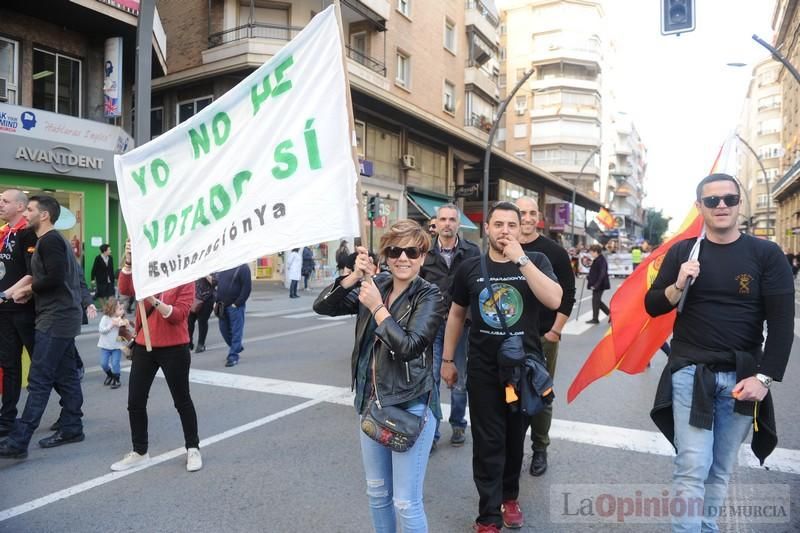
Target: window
x,y
520,131
404,7
772,175
567,128
502,54
189,108
771,125
769,102
501,81
521,104
450,35
8,69
403,78
770,150
449,97
764,201
431,167
56,83
271,18
156,122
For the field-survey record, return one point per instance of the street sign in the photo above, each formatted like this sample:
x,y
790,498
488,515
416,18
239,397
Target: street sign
x,y
764,232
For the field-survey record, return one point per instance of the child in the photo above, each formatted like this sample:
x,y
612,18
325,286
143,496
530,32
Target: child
x,y
109,343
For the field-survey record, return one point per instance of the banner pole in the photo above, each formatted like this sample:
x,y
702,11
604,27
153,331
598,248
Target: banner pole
x,y
353,147
145,328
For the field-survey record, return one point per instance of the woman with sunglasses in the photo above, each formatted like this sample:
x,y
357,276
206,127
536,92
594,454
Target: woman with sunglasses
x,y
398,316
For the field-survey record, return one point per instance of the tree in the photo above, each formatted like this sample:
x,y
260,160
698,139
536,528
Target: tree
x,y
655,226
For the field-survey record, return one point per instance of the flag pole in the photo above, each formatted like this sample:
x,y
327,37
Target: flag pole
x,y
353,147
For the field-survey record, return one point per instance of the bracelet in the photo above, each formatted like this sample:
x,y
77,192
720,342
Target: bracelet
x,y
378,308
558,333
448,361
677,288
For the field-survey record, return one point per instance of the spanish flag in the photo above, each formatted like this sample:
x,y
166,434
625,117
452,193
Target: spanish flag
x,y
635,336
606,219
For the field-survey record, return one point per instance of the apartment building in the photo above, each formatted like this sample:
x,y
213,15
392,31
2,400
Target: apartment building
x,y
555,122
424,86
761,126
626,179
786,192
66,78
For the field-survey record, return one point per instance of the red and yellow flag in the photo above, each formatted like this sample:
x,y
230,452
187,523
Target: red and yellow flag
x,y
635,336
606,219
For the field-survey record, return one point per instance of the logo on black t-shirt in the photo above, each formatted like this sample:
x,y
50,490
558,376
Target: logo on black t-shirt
x,y
509,300
744,283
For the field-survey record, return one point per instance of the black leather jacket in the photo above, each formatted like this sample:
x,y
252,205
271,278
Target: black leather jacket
x,y
435,269
404,347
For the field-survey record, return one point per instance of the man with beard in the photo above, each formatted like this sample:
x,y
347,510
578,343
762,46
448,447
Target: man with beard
x,y
550,323
57,297
522,283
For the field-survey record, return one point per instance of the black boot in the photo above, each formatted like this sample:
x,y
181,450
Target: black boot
x,y
109,378
115,384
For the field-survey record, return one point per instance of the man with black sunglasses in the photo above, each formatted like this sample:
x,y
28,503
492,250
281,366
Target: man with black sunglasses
x,y
522,283
718,376
448,252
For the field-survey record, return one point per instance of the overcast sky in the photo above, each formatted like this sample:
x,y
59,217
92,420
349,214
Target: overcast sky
x,y
679,92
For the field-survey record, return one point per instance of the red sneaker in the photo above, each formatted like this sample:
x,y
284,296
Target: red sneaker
x,y
512,514
485,528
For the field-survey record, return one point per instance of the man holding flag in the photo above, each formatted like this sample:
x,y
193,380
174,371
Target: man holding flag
x,y
717,376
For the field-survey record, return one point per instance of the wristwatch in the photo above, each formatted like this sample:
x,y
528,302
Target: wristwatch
x,y
522,261
765,380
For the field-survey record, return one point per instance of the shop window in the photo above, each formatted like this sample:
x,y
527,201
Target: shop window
x,y
156,122
189,108
8,70
383,149
56,83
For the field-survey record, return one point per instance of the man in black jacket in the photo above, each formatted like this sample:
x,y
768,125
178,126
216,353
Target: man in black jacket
x,y
233,290
57,297
447,253
717,376
550,322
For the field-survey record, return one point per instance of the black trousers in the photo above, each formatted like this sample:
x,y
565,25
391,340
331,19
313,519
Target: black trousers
x,y
498,441
598,305
174,361
201,317
16,331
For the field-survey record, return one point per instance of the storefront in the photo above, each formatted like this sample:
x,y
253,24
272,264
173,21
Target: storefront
x,y
73,160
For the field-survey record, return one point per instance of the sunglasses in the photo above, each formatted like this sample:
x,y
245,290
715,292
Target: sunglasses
x,y
730,200
394,252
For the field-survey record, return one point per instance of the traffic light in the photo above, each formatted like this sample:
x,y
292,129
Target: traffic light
x,y
373,207
677,16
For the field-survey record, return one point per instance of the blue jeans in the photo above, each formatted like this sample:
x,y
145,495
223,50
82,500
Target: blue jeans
x,y
706,458
395,480
53,365
458,394
231,326
109,360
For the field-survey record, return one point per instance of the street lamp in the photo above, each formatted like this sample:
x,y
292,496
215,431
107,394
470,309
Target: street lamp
x,y
766,180
574,192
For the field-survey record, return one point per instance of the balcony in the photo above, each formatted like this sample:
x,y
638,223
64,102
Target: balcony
x,y
567,166
566,110
563,81
367,68
562,138
256,30
479,17
478,125
249,45
484,80
555,52
381,8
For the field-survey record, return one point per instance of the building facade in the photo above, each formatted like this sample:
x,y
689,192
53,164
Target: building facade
x,y
556,122
625,183
786,193
761,127
424,87
66,73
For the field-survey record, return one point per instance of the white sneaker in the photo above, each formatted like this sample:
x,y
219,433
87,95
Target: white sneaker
x,y
131,460
194,461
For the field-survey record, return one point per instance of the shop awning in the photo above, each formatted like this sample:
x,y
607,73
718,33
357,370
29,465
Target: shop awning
x,y
428,205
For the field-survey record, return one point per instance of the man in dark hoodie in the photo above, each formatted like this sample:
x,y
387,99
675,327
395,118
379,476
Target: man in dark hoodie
x,y
233,290
717,375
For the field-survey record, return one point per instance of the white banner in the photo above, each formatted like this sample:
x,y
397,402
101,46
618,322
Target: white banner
x,y
112,78
267,167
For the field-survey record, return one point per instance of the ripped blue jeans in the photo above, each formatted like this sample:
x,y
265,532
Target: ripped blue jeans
x,y
395,480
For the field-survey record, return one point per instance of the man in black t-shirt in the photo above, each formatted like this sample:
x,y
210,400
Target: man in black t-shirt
x,y
550,322
522,283
57,298
16,319
717,376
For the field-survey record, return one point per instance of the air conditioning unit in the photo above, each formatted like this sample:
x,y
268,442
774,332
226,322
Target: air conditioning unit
x,y
408,161
3,90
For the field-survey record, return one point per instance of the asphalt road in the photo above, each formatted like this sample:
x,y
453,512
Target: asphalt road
x,y
280,447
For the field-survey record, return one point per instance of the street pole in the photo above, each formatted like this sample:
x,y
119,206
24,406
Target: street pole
x,y
766,180
778,57
488,154
144,70
574,192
